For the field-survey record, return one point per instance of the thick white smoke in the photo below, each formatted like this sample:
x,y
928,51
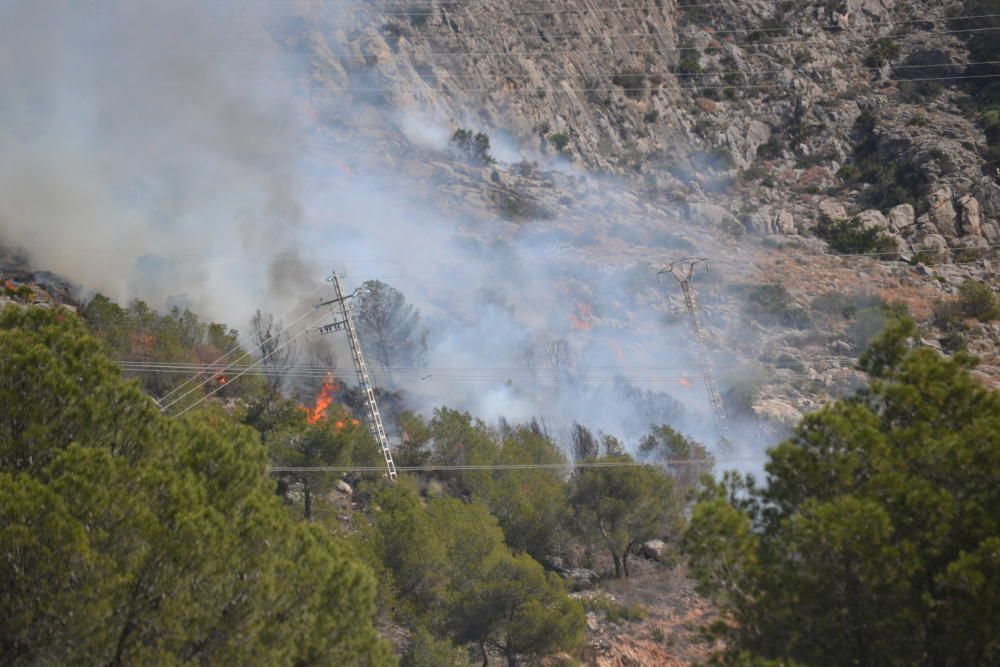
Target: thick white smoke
x,y
176,150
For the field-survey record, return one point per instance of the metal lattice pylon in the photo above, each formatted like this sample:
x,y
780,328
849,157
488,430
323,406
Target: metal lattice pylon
x,y
683,269
373,417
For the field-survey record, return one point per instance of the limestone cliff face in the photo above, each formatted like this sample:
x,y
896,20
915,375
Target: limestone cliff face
x,y
725,129
752,106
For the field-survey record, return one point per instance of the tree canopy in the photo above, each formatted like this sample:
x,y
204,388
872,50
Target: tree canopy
x,y
876,539
130,538
389,328
451,569
622,505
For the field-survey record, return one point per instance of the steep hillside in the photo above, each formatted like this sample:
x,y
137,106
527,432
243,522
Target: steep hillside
x,y
766,136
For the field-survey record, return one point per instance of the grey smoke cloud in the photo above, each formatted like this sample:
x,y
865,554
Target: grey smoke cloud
x,y
142,139
176,150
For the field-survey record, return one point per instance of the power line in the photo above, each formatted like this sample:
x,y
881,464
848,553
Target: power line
x,y
443,262
437,369
657,50
581,10
611,89
242,373
235,348
748,72
770,29
514,466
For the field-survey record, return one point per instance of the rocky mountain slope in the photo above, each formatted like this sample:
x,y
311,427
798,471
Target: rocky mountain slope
x,y
742,131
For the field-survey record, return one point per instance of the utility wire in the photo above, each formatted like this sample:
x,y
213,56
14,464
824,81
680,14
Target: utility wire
x,y
610,89
444,262
514,466
236,347
581,10
242,373
247,354
748,72
646,49
770,29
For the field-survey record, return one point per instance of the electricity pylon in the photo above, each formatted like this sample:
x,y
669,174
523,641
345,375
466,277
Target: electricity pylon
x,y
683,269
346,323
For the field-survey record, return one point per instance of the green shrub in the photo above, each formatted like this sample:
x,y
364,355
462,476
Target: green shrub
x,y
849,173
474,146
851,237
689,64
976,300
771,149
948,315
882,52
634,83
560,140
771,303
847,305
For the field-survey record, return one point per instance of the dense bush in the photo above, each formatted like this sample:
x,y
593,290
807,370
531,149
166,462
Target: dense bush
x,y
474,146
975,301
876,540
130,538
890,181
560,140
851,237
883,51
771,303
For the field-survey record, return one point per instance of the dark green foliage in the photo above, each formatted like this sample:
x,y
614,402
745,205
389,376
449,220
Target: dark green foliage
x,y
130,538
883,51
978,301
336,439
875,541
975,301
475,146
718,158
771,303
690,62
866,324
846,305
515,204
450,567
560,140
634,83
772,149
389,328
619,508
529,504
891,181
139,334
427,651
851,237
665,445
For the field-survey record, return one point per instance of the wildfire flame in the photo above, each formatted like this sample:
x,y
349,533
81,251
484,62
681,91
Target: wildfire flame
x,y
323,400
685,382
583,318
221,379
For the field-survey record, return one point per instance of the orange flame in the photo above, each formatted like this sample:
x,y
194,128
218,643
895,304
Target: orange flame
x,y
323,400
685,382
583,318
222,379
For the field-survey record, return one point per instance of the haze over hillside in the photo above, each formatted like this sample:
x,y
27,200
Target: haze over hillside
x,y
504,181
